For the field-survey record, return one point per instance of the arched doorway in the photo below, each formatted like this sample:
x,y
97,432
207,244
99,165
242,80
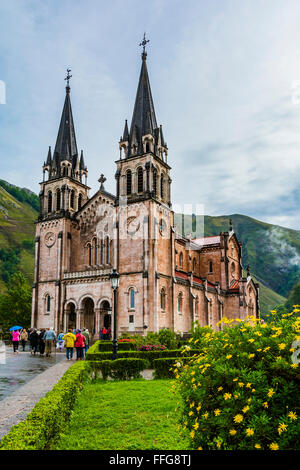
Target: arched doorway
x,y
70,316
105,314
88,315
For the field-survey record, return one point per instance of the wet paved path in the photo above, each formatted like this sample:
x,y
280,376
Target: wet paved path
x,y
21,399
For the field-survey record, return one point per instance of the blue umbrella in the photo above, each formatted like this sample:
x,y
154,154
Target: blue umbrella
x,y
13,328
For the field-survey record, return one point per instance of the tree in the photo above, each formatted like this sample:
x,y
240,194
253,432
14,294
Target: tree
x,y
15,305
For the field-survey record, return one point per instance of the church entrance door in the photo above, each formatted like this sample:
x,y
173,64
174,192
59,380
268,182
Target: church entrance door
x,y
71,317
88,320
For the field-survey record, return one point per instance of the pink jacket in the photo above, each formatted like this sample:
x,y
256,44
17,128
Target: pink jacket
x,y
16,336
80,340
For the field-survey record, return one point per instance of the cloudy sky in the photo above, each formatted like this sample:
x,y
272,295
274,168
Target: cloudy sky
x,y
225,77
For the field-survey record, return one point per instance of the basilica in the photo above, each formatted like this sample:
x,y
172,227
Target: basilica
x,y
167,280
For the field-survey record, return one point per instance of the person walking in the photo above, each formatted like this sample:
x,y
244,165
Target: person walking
x,y
24,338
15,340
69,339
34,341
49,338
41,342
86,334
60,342
79,345
104,333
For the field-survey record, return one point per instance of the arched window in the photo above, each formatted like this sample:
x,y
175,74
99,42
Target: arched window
x,y
148,147
163,299
65,171
89,251
95,251
128,182
72,199
211,267
131,298
197,306
58,200
140,180
107,250
48,303
162,186
179,305
181,260
155,182
79,201
101,249
232,269
50,201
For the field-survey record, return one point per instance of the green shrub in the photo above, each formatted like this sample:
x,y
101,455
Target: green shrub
x,y
242,391
50,415
166,367
107,346
121,369
149,355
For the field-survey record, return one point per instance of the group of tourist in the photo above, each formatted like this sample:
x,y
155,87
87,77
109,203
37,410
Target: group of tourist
x,y
105,333
42,341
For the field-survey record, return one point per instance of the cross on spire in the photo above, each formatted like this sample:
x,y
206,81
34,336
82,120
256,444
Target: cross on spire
x,y
143,43
68,77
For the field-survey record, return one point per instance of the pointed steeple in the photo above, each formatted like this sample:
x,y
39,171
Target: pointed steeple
x,y
82,165
143,112
126,132
49,157
66,147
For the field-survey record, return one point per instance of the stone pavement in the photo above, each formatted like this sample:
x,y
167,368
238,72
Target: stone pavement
x,y
15,407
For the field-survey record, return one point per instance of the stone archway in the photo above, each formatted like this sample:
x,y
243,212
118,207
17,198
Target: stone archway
x,y
88,318
105,314
70,316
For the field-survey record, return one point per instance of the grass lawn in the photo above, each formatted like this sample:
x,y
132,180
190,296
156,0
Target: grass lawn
x,y
137,414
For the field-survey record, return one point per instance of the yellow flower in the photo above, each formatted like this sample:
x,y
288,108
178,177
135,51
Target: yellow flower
x,y
191,413
220,388
241,384
245,409
205,415
257,446
217,412
274,446
294,366
200,448
265,404
248,385
238,418
192,405
251,356
249,432
196,426
282,346
251,340
228,356
232,432
271,392
198,408
281,428
227,396
292,415
192,434
253,390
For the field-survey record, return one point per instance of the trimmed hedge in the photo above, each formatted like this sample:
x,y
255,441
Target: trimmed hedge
x,y
93,355
106,346
120,369
164,366
50,415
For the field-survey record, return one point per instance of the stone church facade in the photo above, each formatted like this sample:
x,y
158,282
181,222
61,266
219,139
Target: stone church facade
x,y
166,279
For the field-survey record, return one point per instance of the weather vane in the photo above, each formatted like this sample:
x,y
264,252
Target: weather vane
x,y
68,76
144,42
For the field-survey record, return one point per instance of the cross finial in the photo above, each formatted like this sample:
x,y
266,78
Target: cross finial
x,y
102,180
68,77
143,43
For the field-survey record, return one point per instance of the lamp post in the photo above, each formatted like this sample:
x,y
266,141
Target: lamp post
x,y
114,281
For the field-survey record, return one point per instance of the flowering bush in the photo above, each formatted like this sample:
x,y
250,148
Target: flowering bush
x,y
242,390
125,340
152,347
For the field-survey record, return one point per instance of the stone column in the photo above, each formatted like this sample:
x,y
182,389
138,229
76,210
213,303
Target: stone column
x,y
79,314
97,321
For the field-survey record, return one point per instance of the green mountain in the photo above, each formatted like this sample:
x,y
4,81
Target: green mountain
x,y
17,230
273,252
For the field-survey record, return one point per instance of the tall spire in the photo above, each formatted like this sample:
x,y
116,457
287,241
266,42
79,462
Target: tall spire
x,y
143,112
66,147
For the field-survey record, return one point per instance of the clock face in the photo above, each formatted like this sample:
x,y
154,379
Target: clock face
x,y
132,225
50,239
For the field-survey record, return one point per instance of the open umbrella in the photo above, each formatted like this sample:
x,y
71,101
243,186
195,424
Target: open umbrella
x,y
13,328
